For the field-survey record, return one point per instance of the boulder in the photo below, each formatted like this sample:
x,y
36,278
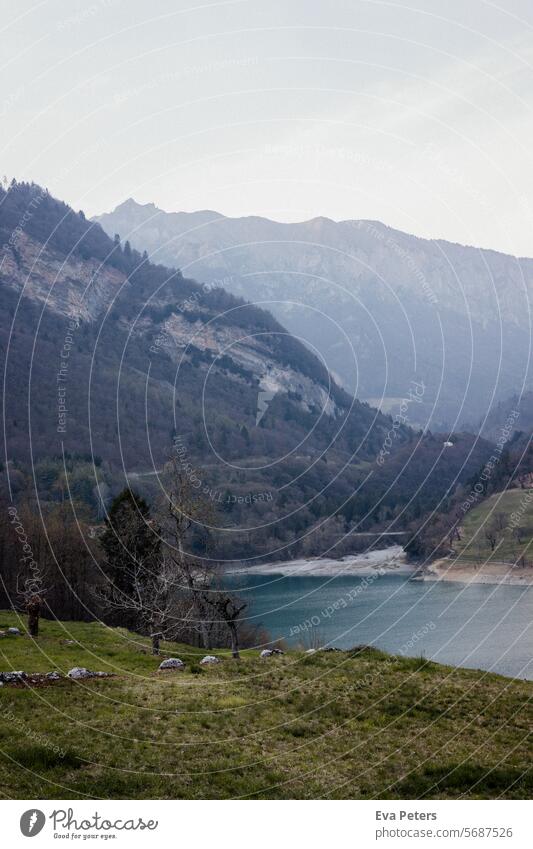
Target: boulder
x,y
265,653
210,658
172,663
12,677
53,676
14,632
79,672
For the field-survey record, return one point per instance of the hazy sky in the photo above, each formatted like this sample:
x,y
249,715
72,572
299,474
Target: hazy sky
x,y
418,114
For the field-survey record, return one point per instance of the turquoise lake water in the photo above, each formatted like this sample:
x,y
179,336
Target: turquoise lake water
x,y
479,626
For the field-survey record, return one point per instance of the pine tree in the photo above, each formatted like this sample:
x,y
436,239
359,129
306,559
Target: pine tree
x,y
131,540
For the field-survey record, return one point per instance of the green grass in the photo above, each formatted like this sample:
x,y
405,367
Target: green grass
x,y
356,724
474,544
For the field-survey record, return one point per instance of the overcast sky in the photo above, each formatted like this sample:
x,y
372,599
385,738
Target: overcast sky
x,y
418,114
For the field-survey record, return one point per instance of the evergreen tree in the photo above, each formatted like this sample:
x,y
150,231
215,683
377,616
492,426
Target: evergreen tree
x,y
130,542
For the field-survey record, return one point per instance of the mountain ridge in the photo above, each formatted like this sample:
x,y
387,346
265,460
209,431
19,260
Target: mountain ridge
x,y
382,307
133,204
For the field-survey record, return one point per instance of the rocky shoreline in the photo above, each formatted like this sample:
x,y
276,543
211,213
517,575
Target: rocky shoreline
x,y
383,561
393,561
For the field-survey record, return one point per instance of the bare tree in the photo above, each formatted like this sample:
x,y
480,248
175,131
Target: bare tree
x,y
491,535
186,510
228,608
454,534
151,601
518,534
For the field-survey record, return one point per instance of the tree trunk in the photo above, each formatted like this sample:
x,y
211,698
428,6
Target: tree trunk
x,y
206,638
234,641
156,638
34,611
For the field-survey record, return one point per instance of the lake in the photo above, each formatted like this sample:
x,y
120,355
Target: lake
x,y
480,626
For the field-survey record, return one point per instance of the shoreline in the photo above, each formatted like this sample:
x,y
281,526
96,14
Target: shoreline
x,y
392,561
382,561
461,572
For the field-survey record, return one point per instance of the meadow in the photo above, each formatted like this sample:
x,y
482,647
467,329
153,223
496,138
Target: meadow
x,y
350,724
512,537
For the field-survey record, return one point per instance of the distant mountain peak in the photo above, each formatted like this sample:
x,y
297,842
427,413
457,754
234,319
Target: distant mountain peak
x,y
130,206
131,203
381,306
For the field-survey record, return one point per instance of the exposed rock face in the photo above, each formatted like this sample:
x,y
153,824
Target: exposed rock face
x,y
250,352
210,658
71,286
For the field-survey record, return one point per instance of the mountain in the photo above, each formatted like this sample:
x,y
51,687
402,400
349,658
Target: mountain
x,y
111,363
381,307
509,418
493,507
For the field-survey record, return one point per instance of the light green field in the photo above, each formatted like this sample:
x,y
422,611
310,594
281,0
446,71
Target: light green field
x,y
497,510
357,724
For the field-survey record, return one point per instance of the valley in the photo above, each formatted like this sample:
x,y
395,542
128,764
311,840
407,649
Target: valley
x,y
156,359
266,441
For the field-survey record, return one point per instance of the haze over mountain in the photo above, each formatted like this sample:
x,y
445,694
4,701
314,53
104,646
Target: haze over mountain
x,y
110,361
380,306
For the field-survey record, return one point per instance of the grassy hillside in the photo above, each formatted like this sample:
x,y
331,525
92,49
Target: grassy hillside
x,y
507,518
354,724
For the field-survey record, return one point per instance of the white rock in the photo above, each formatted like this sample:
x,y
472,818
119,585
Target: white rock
x,y
210,658
14,632
172,663
266,653
53,676
79,672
